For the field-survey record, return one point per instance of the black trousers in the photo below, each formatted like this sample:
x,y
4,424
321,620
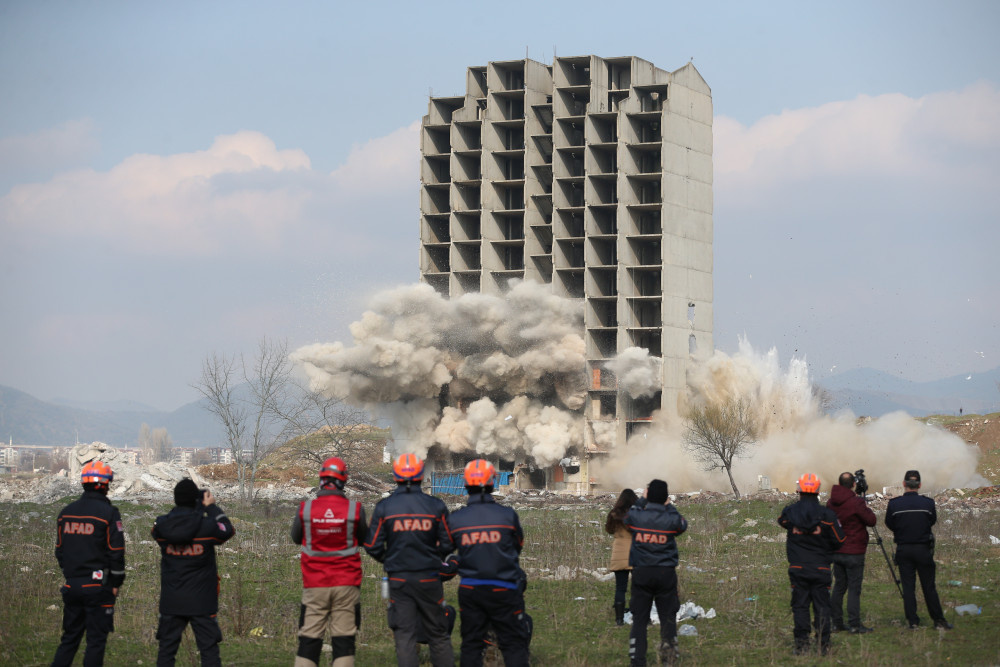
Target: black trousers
x,y
413,601
810,588
621,586
207,636
918,560
485,607
652,585
88,608
848,574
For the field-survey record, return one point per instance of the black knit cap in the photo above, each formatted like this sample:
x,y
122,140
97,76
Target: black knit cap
x,y
657,492
186,493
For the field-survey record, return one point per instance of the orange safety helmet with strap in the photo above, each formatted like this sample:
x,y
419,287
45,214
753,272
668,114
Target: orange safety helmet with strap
x,y
479,472
408,468
96,472
334,471
809,483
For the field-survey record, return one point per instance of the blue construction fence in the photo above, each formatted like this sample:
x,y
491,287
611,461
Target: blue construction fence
x,y
455,484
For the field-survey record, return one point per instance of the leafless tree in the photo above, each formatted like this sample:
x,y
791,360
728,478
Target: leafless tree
x,y
248,396
319,427
155,444
718,433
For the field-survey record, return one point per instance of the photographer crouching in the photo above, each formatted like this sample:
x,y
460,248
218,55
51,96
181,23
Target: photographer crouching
x,y
189,579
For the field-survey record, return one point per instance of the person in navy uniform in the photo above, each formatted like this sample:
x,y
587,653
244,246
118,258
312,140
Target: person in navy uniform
x,y
409,535
329,529
189,577
910,517
814,534
489,538
90,548
655,524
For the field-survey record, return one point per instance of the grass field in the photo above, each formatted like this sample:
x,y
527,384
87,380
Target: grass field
x,y
732,560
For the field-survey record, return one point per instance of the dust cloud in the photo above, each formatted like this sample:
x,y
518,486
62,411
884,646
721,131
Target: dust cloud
x,y
797,436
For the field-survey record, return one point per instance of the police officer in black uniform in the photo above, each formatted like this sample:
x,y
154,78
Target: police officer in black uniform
x,y
189,578
910,517
409,535
90,548
654,523
814,534
489,539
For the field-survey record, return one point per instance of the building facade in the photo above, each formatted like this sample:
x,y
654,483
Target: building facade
x,y
592,175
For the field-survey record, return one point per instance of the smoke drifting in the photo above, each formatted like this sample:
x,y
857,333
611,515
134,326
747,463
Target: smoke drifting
x,y
514,365
797,436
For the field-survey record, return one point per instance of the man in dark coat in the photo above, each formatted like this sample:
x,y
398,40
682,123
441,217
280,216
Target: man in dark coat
x,y
814,533
90,548
189,578
409,536
910,517
654,523
849,560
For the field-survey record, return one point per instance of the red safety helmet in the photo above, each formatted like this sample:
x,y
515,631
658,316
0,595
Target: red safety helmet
x,y
408,468
335,468
809,483
479,472
96,472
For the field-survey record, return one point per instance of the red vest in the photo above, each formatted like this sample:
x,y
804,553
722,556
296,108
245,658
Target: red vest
x,y
329,546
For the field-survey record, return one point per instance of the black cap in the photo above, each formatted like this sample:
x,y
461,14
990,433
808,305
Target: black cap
x,y
912,479
656,492
186,493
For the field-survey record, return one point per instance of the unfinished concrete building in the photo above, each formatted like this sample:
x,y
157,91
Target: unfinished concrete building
x,y
593,175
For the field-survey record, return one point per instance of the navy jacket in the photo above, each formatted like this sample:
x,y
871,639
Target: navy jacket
x,y
189,578
90,541
653,529
489,539
409,532
910,517
814,532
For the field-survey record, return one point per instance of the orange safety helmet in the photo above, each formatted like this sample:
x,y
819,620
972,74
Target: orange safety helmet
x,y
334,467
408,468
809,483
479,472
96,472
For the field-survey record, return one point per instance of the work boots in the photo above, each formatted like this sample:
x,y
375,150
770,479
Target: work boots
x,y
619,613
669,655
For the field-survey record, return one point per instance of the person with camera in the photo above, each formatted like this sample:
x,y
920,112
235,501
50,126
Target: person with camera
x,y
814,533
189,578
849,560
910,517
90,548
330,529
654,523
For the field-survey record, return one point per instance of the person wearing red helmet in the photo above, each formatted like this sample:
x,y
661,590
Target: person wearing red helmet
x,y
489,539
814,534
409,535
90,548
330,529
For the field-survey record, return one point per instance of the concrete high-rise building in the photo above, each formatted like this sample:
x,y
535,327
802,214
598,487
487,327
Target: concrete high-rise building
x,y
592,175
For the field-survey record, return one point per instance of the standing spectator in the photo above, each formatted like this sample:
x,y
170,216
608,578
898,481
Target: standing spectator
x,y
330,529
90,548
849,559
409,536
615,525
189,577
654,523
489,539
814,533
910,517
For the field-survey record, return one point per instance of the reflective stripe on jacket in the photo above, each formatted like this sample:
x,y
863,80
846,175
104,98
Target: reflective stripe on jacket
x,y
332,527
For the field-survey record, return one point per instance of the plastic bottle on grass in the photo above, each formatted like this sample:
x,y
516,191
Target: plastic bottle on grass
x,y
969,609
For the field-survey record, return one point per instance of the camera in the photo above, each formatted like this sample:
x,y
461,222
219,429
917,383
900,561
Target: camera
x,y
860,483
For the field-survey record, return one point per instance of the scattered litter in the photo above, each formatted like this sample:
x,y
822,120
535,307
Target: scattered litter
x,y
954,582
687,630
752,598
691,610
978,588
970,609
257,632
750,523
693,568
994,539
579,598
52,607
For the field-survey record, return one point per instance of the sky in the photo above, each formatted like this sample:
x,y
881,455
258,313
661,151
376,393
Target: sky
x,y
182,179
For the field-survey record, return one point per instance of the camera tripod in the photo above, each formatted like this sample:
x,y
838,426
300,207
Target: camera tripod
x,y
861,484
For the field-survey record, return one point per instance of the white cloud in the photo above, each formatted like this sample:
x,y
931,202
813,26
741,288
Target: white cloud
x,y
948,134
372,166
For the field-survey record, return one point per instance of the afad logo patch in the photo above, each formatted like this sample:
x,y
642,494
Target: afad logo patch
x,y
480,537
78,528
400,525
651,538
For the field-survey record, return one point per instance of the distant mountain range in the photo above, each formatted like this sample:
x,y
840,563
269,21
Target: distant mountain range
x,y
29,421
865,391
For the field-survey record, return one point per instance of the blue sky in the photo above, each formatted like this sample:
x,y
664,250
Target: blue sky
x,y
183,178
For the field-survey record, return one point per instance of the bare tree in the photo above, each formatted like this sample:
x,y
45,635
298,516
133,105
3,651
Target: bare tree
x,y
319,427
718,433
146,444
248,396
